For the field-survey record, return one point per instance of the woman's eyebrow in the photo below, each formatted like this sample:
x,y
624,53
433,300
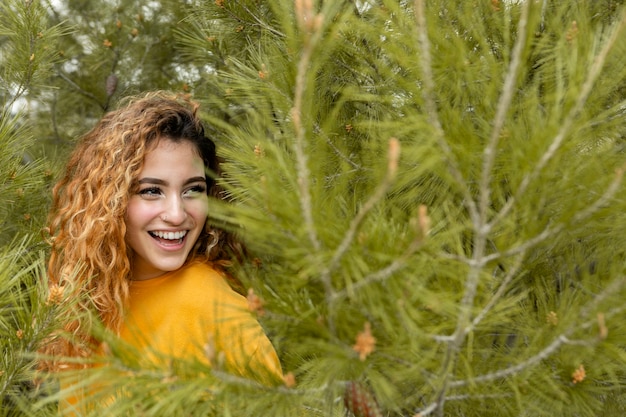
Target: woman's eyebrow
x,y
148,180
159,181
195,179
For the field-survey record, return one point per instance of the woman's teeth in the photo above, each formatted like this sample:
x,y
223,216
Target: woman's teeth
x,y
169,235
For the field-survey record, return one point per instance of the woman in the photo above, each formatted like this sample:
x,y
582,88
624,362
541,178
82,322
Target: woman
x,y
130,240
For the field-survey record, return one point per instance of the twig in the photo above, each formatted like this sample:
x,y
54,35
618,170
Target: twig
x,y
311,25
480,223
527,245
612,289
80,89
499,293
582,215
261,23
543,354
431,107
475,397
481,227
594,72
478,215
341,155
379,193
428,410
383,274
312,37
508,90
560,340
604,198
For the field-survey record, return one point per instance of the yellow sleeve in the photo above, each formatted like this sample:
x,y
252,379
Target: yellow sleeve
x,y
247,350
77,388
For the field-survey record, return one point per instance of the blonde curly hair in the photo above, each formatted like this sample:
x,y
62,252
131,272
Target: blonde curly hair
x,y
89,253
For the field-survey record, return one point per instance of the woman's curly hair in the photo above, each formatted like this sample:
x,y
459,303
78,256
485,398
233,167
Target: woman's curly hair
x,y
89,254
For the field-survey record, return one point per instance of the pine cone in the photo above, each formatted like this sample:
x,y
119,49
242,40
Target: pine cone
x,y
360,401
111,84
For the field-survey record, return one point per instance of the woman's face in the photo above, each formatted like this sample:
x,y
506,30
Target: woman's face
x,y
167,212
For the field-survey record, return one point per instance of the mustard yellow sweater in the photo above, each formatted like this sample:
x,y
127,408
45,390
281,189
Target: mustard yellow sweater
x,y
194,313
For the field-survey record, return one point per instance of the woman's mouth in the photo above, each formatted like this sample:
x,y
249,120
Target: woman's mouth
x,y
169,238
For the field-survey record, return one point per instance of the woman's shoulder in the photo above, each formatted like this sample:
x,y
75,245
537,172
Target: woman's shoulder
x,y
204,274
200,268
202,271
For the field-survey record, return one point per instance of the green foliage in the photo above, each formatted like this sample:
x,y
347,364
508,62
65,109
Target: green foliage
x,y
22,181
510,119
432,190
26,42
26,318
110,49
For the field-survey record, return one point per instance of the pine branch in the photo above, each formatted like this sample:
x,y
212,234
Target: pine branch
x,y
22,21
458,337
472,279
261,23
503,373
566,125
312,36
433,406
601,202
480,223
384,273
504,285
560,340
431,107
375,198
491,150
341,155
80,90
550,231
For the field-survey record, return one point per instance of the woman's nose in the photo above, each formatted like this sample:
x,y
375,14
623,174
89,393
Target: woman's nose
x,y
174,212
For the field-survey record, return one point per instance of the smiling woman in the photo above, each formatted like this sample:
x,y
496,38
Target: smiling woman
x,y
167,212
131,241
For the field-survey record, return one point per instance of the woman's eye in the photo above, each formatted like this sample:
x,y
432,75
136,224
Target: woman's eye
x,y
150,192
195,190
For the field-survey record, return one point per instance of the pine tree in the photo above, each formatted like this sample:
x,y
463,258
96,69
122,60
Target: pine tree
x,y
27,315
27,47
431,192
111,50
